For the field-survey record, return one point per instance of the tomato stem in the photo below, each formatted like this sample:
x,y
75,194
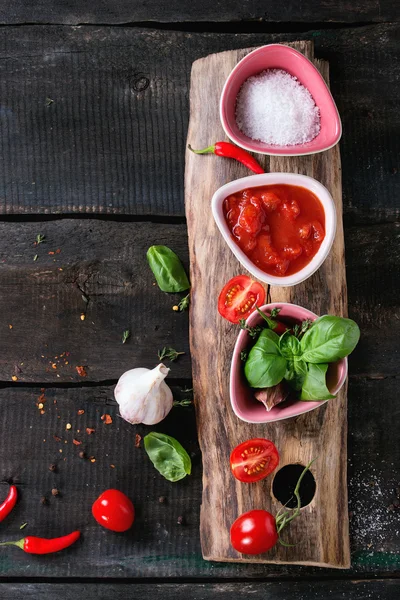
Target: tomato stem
x,y
282,520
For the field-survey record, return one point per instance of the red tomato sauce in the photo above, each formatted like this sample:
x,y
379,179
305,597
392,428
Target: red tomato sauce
x,y
279,227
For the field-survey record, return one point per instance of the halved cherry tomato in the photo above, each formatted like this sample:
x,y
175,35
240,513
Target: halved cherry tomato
x,y
113,510
254,460
254,532
239,298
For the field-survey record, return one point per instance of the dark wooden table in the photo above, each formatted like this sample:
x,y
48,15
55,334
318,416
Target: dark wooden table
x,y
93,115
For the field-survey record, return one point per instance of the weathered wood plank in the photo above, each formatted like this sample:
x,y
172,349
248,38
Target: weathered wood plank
x,y
157,547
386,589
73,12
106,260
321,536
113,138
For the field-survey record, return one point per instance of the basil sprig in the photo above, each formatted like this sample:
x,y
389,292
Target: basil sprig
x,y
168,456
167,269
302,363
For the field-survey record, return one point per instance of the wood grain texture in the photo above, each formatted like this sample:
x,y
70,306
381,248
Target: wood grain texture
x,y
74,12
321,534
105,264
387,589
157,547
113,139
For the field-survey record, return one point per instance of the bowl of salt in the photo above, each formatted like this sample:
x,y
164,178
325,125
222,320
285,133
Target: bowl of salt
x,y
276,102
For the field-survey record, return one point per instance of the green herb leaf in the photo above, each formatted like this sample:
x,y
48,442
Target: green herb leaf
x,y
275,312
23,525
295,378
184,303
170,353
185,402
35,258
265,365
168,456
167,269
40,238
328,339
125,336
243,355
314,385
252,331
289,345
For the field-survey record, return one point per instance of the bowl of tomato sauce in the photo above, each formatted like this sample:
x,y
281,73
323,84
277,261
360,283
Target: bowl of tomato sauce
x,y
280,226
243,398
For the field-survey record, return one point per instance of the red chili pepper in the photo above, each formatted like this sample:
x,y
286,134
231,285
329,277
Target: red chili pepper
x,y
229,150
8,504
37,545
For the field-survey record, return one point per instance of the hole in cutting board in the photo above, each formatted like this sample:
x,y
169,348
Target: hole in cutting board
x,y
285,481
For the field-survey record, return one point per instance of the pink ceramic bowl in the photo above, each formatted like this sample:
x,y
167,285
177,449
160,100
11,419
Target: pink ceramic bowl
x,y
244,405
277,56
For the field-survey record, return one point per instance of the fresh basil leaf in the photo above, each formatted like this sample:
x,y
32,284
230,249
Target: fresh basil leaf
x,y
294,379
328,339
300,366
167,269
265,366
314,385
289,345
168,456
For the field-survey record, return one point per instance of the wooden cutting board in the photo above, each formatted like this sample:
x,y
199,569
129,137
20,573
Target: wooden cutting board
x,y
320,534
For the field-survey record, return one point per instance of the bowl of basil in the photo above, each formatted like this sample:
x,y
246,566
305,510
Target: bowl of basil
x,y
288,361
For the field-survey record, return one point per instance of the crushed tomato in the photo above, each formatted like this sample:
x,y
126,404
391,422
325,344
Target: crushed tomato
x,y
279,227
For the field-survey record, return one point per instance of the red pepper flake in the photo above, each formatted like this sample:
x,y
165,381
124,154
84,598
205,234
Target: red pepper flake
x,y
92,459
107,419
53,366
51,252
81,411
55,402
112,466
81,371
58,250
10,326
42,412
138,439
76,442
89,430
58,439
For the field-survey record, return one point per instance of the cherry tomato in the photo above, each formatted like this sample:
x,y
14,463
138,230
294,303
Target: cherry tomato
x,y
113,510
254,460
254,532
239,298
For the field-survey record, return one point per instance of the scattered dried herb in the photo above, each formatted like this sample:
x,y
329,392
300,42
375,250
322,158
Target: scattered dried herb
x,y
184,303
39,239
23,525
125,336
185,402
169,353
35,258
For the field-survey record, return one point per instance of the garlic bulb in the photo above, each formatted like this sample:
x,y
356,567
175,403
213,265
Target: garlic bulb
x,y
143,396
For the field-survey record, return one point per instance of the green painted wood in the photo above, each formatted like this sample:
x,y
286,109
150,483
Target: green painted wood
x,y
387,589
112,139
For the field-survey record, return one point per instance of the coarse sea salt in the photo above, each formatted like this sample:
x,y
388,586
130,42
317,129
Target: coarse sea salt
x,y
275,108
